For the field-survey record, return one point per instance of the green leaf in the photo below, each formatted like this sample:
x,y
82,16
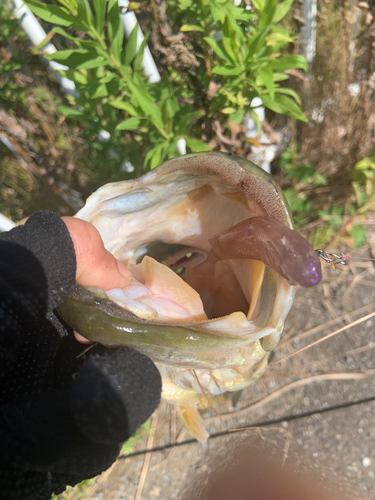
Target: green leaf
x,y
360,194
125,106
130,47
297,201
54,14
229,41
288,62
196,145
115,29
235,14
182,121
256,119
228,111
84,12
139,435
155,156
81,43
171,150
267,15
258,40
99,18
138,61
291,92
282,10
274,38
259,5
280,77
185,4
257,89
284,106
167,116
78,77
237,117
77,59
217,11
358,234
76,114
191,27
65,34
217,49
146,103
96,90
225,70
71,5
129,124
266,77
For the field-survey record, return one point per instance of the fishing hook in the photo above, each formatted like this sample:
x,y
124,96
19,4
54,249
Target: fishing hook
x,y
332,258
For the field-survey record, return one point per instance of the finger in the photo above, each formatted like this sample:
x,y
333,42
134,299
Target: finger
x,y
96,266
81,339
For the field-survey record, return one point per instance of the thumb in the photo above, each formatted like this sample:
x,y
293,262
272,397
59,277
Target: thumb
x,y
96,266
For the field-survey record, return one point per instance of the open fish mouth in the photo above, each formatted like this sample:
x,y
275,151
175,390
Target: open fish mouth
x,y
209,240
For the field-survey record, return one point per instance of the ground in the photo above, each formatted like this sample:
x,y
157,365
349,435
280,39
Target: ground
x,y
313,412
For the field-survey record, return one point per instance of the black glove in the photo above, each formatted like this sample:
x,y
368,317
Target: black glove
x,y
63,416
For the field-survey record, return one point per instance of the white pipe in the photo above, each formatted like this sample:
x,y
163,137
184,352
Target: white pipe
x,y
263,155
130,21
8,144
6,224
309,15
181,146
36,34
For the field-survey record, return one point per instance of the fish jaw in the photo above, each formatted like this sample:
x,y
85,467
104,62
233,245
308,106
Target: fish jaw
x,y
184,203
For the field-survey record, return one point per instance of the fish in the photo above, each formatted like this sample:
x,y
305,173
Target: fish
x,y
215,260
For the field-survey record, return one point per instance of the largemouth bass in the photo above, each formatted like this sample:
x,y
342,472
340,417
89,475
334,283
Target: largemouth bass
x,y
209,240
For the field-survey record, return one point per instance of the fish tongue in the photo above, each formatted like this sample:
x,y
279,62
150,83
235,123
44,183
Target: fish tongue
x,y
277,246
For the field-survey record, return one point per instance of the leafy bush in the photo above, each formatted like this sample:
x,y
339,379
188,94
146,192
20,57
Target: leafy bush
x,y
240,53
301,175
10,90
363,175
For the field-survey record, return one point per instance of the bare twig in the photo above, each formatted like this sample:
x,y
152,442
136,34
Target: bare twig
x,y
293,385
354,323
146,463
328,324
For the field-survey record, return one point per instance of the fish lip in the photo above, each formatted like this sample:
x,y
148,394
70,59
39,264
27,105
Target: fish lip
x,y
240,174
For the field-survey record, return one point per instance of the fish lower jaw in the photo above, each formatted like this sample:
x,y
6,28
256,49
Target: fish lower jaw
x,y
158,295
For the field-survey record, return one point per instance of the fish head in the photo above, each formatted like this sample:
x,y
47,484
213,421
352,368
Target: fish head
x,y
209,325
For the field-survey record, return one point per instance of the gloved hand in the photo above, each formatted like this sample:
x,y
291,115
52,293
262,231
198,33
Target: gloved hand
x,y
63,416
